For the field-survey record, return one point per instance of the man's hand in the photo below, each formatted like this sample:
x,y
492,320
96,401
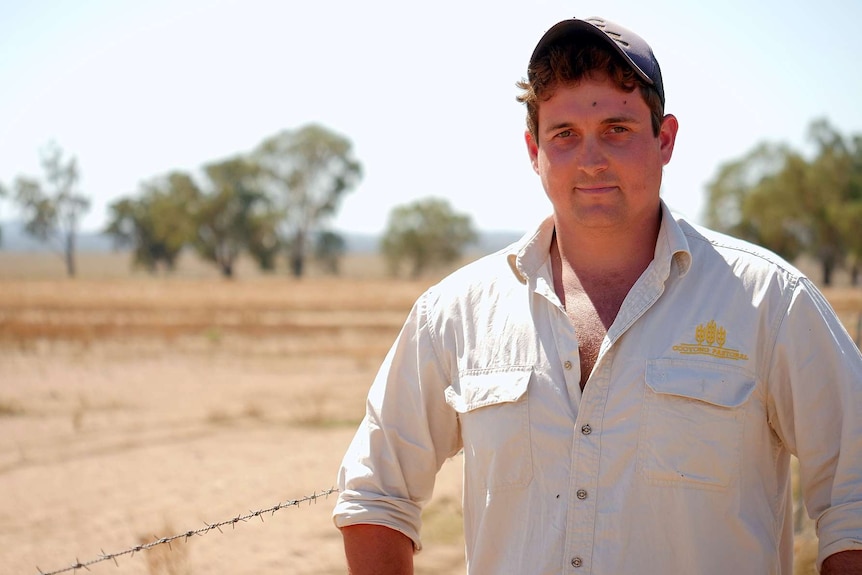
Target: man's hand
x,y
843,563
377,550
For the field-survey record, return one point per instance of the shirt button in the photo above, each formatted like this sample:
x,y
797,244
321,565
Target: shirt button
x,y
577,562
586,429
582,494
568,364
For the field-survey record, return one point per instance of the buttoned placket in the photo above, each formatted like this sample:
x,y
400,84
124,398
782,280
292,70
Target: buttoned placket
x,y
586,444
585,407
584,479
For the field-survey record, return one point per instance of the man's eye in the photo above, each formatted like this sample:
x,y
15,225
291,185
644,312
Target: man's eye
x,y
619,130
564,134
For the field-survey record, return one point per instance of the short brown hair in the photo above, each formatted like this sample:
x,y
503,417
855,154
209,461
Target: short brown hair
x,y
568,63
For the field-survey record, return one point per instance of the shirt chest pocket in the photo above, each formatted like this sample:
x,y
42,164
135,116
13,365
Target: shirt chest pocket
x,y
494,413
692,424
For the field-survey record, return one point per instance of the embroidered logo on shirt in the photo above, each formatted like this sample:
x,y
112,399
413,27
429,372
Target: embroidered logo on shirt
x,y
710,341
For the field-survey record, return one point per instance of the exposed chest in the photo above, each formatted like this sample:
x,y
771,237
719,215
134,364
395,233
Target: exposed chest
x,y
591,318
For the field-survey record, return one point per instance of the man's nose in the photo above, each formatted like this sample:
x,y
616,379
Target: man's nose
x,y
592,158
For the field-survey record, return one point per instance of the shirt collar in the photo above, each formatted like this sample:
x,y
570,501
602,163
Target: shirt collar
x,y
672,246
527,255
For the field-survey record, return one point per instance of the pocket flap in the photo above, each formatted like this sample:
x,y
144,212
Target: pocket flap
x,y
484,388
717,385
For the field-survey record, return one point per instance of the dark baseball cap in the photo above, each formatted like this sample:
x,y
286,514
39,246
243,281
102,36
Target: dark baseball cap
x,y
626,43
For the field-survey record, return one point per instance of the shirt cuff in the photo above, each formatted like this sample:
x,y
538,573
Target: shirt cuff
x,y
354,508
839,529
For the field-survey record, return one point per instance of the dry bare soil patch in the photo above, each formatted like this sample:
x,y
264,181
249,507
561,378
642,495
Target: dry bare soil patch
x,y
134,408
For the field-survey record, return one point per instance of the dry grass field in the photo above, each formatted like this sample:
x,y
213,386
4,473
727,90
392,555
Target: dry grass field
x,y
135,407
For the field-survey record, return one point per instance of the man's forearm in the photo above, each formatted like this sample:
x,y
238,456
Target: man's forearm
x,y
377,550
843,563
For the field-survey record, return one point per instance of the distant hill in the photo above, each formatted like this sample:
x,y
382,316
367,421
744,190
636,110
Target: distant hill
x,y
16,239
492,241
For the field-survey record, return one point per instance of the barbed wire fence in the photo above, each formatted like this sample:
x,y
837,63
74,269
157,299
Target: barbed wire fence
x,y
260,513
192,533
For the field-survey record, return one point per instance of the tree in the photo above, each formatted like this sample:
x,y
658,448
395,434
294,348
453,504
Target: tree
x,y
425,234
262,239
230,216
739,201
824,198
306,174
53,209
329,249
851,216
159,224
776,197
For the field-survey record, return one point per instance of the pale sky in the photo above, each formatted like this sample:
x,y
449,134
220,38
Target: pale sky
x,y
425,91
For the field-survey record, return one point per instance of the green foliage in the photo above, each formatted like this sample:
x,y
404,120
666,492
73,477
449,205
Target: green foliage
x,y
329,249
53,208
306,173
230,215
776,197
425,234
849,221
263,243
159,224
729,205
277,198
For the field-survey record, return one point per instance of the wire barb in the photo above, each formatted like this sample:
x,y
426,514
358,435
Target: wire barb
x,y
202,531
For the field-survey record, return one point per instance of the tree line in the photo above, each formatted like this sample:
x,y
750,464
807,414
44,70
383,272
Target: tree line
x,y
796,205
273,200
276,200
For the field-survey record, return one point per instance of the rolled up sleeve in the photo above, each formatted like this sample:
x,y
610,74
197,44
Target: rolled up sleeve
x,y
408,432
816,382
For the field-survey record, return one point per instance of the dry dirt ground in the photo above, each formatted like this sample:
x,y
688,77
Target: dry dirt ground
x,y
134,408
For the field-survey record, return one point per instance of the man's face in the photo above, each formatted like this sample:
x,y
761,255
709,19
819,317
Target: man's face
x,y
598,159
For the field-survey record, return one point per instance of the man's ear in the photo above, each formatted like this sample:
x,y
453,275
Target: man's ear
x,y
667,137
532,150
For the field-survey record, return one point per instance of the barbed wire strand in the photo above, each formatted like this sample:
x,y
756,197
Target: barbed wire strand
x,y
188,534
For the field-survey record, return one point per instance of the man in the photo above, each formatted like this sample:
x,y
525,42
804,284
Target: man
x,y
627,388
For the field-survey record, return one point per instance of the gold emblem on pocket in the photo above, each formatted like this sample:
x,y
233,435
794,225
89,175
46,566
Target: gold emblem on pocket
x,y
710,340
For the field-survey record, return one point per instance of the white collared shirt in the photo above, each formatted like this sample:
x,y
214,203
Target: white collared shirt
x,y
722,361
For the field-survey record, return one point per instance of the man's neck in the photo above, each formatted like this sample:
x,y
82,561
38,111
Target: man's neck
x,y
593,273
597,255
